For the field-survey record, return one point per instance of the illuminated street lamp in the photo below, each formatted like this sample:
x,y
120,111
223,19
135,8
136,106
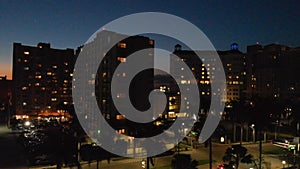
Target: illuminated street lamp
x,y
253,132
143,163
283,163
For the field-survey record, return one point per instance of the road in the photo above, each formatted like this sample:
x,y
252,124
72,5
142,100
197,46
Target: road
x,y
12,156
200,154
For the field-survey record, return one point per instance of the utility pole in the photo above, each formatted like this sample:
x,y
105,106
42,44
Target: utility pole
x,y
241,137
210,154
260,151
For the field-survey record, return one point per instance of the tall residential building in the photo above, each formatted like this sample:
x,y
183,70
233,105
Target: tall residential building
x,y
234,64
101,80
273,71
42,78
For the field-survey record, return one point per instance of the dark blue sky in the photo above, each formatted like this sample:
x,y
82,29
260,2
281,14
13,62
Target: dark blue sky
x,y
68,24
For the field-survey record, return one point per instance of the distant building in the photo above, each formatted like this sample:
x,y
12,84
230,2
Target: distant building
x,y
140,85
42,78
5,98
273,71
234,64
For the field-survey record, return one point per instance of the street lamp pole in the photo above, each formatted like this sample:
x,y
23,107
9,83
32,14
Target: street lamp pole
x,y
253,132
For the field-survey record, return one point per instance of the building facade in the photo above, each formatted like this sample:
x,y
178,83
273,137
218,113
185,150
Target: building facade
x,y
273,71
234,64
42,79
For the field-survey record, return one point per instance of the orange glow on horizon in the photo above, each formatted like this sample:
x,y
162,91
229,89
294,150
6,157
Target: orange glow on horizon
x,y
6,70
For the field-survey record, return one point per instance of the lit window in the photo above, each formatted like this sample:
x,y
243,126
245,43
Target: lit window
x,y
54,67
151,42
183,81
37,84
54,99
39,65
65,81
24,103
120,95
25,61
122,45
66,63
54,92
122,59
91,82
120,117
38,77
104,74
121,131
124,74
71,74
24,88
65,103
49,73
26,53
26,68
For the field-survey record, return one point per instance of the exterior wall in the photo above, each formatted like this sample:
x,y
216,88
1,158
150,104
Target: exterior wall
x,y
42,78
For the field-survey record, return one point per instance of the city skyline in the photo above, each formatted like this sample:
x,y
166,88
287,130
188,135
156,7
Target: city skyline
x,y
69,24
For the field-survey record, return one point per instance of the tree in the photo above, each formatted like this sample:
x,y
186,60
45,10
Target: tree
x,y
183,161
236,154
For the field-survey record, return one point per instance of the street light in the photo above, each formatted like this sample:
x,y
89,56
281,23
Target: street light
x,y
143,163
283,163
253,132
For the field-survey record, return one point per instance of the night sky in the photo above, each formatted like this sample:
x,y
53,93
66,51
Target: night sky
x,y
68,24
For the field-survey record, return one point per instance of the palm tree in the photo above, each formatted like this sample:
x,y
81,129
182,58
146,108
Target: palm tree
x,y
236,154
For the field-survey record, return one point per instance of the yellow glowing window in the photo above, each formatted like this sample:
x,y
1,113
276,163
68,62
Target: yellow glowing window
x,y
122,45
120,117
26,53
121,59
151,42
